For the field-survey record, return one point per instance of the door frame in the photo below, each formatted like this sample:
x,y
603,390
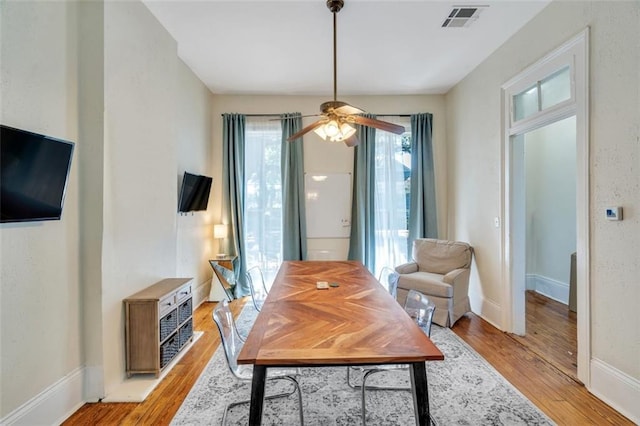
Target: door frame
x,y
575,54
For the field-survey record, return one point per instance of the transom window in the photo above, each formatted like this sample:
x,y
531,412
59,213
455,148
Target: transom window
x,y
544,94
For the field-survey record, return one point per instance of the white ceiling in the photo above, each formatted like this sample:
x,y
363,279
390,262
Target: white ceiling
x,y
383,47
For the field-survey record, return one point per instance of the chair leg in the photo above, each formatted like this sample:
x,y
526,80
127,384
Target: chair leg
x,y
352,386
296,387
364,388
366,374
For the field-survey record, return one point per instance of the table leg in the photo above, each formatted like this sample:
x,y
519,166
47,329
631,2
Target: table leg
x,y
420,393
257,394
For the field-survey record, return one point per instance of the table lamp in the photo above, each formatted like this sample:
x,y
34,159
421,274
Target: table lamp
x,y
220,233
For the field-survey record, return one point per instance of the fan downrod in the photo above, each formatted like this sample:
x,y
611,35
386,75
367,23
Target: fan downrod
x,y
335,5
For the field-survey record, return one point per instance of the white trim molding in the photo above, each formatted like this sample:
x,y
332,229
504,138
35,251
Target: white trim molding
x,y
575,54
619,390
553,289
491,312
53,405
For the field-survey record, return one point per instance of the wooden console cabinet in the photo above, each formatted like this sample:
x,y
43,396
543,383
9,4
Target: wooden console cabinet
x,y
158,325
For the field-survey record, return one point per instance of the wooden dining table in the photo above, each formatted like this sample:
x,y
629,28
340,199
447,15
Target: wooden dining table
x,y
353,322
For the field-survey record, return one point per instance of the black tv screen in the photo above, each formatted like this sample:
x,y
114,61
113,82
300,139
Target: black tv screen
x,y
204,189
194,193
34,172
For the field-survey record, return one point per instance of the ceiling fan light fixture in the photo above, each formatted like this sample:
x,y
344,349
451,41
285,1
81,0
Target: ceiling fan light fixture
x,y
332,129
338,118
335,131
346,131
321,131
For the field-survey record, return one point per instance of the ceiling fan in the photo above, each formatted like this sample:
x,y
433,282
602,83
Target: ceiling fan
x,y
338,118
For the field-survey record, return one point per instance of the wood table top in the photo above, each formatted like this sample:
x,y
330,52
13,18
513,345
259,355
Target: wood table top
x,y
358,322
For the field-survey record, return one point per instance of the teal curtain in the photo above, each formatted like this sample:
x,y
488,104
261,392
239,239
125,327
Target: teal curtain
x,y
422,211
233,143
362,244
294,227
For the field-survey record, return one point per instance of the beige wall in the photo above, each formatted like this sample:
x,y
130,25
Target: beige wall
x,y
550,160
40,310
194,151
326,157
139,118
157,124
140,167
475,134
91,169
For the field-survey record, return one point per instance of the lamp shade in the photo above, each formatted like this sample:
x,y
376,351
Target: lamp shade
x,y
220,231
335,130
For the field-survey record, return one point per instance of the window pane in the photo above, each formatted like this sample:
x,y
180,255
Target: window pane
x,y
556,88
392,174
525,103
546,93
263,196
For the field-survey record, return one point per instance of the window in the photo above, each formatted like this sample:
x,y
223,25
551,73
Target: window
x,y
546,93
392,194
263,195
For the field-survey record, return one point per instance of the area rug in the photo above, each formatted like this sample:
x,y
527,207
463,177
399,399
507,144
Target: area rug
x,y
463,390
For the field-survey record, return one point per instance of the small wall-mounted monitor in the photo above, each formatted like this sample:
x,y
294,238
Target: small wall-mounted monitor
x,y
194,193
34,172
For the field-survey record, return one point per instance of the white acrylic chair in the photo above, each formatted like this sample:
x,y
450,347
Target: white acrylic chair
x,y
258,288
232,343
389,279
421,309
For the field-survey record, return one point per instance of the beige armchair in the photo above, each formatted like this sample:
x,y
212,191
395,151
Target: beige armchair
x,y
440,270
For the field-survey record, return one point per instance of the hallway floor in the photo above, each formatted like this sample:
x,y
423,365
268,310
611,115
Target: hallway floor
x,y
551,332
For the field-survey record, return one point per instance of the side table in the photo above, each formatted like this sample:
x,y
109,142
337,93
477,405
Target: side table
x,y
224,269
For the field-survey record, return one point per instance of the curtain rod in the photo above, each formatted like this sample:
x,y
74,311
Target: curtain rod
x,y
278,115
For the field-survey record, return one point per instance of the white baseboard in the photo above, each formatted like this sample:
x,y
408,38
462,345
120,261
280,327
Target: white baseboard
x,y
53,405
60,400
93,384
138,387
553,289
201,294
491,312
619,390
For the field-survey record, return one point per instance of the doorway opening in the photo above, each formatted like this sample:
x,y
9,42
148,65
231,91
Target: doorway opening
x,y
551,93
545,189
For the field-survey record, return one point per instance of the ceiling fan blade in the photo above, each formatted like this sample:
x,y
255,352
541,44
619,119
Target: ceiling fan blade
x,y
307,129
352,141
378,124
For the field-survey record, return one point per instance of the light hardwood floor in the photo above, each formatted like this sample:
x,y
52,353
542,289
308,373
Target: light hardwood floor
x,y
551,332
559,396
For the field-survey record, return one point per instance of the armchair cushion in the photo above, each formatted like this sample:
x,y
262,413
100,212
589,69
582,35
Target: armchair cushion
x,y
427,282
440,256
451,277
407,268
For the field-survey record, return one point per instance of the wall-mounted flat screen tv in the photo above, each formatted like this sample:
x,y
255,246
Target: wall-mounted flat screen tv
x,y
34,172
194,192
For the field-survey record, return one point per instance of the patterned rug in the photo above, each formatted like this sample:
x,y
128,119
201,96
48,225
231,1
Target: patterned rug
x,y
463,390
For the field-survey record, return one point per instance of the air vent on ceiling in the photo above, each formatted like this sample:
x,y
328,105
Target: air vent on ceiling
x,y
462,16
